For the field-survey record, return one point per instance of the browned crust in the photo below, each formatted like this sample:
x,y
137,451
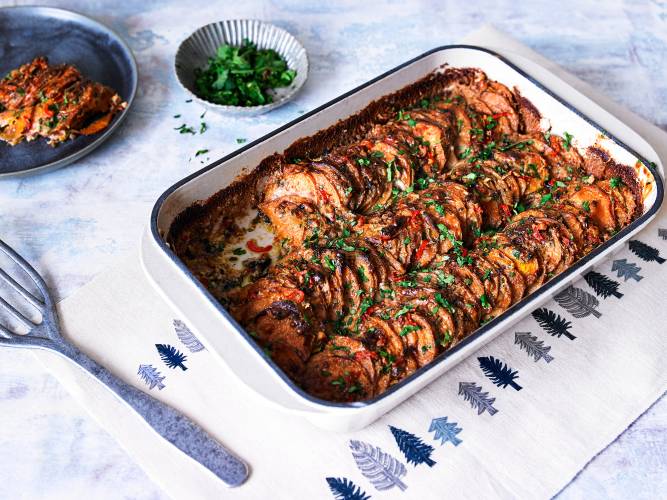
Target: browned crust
x,y
231,201
530,115
599,162
346,131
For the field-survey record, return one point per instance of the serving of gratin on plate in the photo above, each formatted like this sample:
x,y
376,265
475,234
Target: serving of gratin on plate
x,y
55,102
387,250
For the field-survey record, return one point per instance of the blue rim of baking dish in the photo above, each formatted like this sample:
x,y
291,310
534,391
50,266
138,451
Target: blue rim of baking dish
x,y
479,332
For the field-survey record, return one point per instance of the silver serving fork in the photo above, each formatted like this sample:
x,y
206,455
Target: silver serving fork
x,y
170,424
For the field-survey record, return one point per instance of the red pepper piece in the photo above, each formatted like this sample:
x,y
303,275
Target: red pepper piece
x,y
420,250
254,247
295,295
505,209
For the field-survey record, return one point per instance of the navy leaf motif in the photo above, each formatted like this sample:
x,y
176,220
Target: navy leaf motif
x,y
187,337
662,233
478,400
645,252
151,376
445,431
414,449
533,347
381,469
552,323
577,302
171,356
498,372
626,270
602,285
344,489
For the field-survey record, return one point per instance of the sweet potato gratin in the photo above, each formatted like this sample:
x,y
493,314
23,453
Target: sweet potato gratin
x,y
54,102
394,235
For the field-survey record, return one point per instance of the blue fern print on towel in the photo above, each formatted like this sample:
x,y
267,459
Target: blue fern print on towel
x,y
533,347
445,431
151,376
498,372
414,449
626,270
645,252
578,302
344,489
381,469
171,356
602,285
552,323
662,233
478,400
187,337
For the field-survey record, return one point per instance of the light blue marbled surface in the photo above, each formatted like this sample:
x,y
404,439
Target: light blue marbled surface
x,y
73,223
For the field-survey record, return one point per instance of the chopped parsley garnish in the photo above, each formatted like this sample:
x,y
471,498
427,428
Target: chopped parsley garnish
x,y
239,251
362,274
408,329
403,310
444,302
201,152
567,142
586,206
545,198
390,171
484,301
615,182
444,279
329,264
184,129
241,76
438,207
517,145
365,305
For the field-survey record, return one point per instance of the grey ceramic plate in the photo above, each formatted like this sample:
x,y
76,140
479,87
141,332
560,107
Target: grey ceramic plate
x,y
64,37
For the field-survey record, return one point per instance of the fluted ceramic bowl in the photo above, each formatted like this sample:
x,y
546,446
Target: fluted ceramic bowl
x,y
195,51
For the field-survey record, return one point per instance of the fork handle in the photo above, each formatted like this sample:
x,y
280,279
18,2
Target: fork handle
x,y
172,425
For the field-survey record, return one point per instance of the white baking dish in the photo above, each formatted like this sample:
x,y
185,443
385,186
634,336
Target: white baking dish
x,y
233,346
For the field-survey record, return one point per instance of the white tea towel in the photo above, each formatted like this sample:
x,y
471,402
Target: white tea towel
x,y
518,419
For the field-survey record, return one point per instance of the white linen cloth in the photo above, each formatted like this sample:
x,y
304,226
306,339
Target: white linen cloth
x,y
575,398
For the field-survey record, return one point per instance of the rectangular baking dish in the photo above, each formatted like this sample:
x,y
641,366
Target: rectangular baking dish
x,y
227,340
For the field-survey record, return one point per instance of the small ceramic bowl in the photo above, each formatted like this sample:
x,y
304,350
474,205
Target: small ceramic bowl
x,y
195,51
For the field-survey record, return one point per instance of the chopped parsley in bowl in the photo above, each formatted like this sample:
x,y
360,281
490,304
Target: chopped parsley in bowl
x,y
241,67
242,76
